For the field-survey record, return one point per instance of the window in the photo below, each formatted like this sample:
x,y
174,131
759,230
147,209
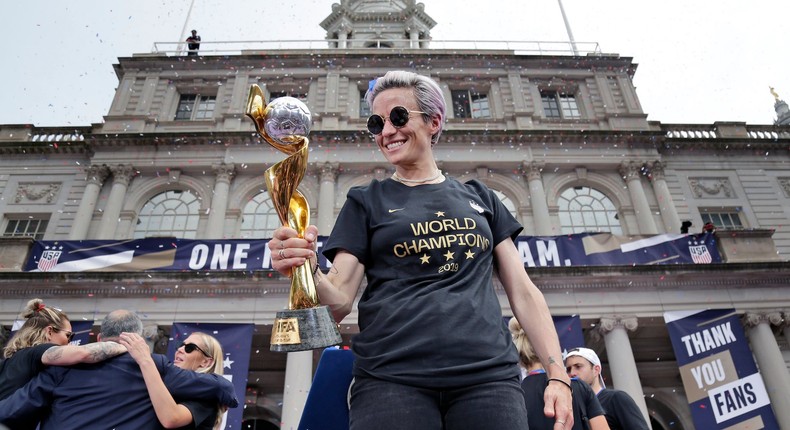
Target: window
x,y
195,107
297,95
470,104
26,227
364,109
726,219
507,202
172,213
584,209
559,105
259,218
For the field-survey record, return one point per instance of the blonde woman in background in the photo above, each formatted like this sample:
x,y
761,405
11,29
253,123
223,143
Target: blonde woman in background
x,y
587,411
199,352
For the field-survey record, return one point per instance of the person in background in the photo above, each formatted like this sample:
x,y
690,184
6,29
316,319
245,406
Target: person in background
x,y
587,411
43,340
110,394
621,411
193,43
432,352
200,353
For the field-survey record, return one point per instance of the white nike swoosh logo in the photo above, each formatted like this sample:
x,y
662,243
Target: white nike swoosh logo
x,y
395,210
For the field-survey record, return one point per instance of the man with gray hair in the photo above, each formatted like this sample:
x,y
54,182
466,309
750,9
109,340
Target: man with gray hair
x,y
109,394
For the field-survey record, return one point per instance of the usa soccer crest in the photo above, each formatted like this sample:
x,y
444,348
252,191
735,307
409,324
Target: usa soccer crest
x,y
48,260
700,254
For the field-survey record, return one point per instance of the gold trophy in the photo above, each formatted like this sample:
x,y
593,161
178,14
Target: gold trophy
x,y
284,124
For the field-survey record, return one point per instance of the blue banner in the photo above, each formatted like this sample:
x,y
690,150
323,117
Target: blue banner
x,y
171,254
569,330
722,384
82,332
236,341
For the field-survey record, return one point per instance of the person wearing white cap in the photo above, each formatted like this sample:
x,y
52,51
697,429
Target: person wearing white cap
x,y
620,409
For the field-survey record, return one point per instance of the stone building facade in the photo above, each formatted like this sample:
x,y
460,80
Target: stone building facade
x,y
175,156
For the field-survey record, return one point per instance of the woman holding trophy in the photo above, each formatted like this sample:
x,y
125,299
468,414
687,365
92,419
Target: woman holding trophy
x,y
432,352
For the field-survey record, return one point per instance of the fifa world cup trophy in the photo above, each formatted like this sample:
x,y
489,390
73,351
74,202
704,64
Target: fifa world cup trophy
x,y
284,124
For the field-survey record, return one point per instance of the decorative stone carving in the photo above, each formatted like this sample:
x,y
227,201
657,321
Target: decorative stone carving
x,y
656,169
123,173
784,183
224,172
609,323
753,319
32,192
631,170
711,187
329,171
533,170
96,174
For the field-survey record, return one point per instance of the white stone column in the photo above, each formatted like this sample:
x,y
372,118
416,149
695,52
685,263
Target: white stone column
x,y
342,36
770,361
537,197
622,365
95,175
122,175
665,204
414,38
632,173
219,201
298,378
326,198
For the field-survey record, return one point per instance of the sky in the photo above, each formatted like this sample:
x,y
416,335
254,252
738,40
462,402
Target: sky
x,y
698,61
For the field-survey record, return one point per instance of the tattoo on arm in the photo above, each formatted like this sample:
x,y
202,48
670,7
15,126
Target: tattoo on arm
x,y
101,351
53,354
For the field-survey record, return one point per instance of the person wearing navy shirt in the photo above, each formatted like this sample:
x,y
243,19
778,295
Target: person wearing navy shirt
x,y
622,412
111,394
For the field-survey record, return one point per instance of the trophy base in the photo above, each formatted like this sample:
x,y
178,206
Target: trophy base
x,y
304,329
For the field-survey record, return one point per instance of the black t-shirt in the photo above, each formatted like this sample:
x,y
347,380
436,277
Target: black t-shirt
x,y
429,316
20,368
585,404
621,410
204,414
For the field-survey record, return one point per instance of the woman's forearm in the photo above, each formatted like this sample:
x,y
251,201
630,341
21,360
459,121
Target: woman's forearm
x,y
68,355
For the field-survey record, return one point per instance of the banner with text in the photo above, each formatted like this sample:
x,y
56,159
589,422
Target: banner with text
x,y
236,341
722,384
171,254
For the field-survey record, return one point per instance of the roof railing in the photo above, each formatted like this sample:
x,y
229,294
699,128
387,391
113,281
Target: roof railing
x,y
238,47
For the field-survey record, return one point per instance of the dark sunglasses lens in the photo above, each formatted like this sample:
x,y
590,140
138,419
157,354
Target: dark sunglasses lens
x,y
399,116
375,124
189,348
70,336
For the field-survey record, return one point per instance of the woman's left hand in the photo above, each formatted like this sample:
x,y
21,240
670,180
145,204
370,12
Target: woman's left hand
x,y
136,346
558,403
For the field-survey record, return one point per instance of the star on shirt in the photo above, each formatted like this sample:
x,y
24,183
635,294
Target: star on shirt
x,y
439,214
449,255
470,254
425,258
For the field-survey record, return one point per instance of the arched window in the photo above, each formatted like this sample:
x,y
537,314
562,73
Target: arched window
x,y
507,202
259,218
584,209
172,213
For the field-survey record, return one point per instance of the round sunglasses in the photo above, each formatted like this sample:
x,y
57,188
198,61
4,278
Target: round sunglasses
x,y
189,348
399,116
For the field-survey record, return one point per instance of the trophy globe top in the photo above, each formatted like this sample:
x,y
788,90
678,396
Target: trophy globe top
x,y
286,119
